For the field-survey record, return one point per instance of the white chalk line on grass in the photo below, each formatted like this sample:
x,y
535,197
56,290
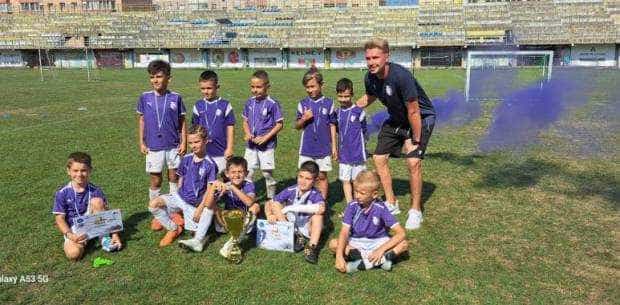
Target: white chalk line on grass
x,y
61,121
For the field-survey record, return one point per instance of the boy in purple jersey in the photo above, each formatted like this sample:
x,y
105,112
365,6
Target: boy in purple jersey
x,y
364,242
161,129
195,196
262,120
79,197
237,193
217,117
317,118
351,122
303,205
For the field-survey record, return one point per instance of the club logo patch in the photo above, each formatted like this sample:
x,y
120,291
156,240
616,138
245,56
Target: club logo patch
x,y
150,104
201,172
388,90
173,105
324,111
265,112
218,112
352,118
375,220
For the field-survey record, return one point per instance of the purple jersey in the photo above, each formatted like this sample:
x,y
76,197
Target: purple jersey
x,y
73,204
373,223
232,201
162,129
316,136
215,116
291,196
262,116
196,177
351,135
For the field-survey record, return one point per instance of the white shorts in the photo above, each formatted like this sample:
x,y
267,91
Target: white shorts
x,y
264,160
174,203
155,160
325,163
366,246
348,172
221,163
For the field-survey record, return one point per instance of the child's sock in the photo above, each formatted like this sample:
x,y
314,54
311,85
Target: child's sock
x,y
164,218
153,193
390,255
204,224
355,266
354,255
270,184
173,186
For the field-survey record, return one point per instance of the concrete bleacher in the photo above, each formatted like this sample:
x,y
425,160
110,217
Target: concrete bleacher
x,y
433,23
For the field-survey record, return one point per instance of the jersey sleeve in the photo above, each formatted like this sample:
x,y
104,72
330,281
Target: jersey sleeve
x,y
277,112
246,111
333,118
181,107
316,198
181,169
98,193
368,85
59,203
389,219
283,197
229,115
249,189
300,111
363,124
195,114
407,86
211,176
140,105
347,219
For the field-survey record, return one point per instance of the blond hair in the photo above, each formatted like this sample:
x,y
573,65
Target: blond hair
x,y
378,43
367,179
198,130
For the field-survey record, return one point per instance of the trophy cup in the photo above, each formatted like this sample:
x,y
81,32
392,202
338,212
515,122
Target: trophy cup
x,y
233,221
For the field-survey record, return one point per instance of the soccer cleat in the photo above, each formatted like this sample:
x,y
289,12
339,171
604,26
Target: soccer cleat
x,y
393,207
170,237
300,242
156,225
192,244
355,266
414,221
311,253
387,265
225,251
353,255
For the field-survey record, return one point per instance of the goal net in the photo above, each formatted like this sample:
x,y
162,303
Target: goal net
x,y
492,74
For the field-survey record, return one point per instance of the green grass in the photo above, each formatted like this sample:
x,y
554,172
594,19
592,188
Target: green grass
x,y
534,227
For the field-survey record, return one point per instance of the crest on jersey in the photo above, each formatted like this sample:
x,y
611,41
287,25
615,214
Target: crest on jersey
x,y
265,112
375,220
324,111
218,112
352,118
388,90
173,105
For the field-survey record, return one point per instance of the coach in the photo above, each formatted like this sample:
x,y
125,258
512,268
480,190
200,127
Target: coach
x,y
408,128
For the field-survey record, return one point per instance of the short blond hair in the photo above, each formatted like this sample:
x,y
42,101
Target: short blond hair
x,y
367,179
378,43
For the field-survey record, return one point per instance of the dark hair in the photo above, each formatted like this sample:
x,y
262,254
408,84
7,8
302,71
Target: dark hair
x,y
79,157
237,161
313,73
208,75
262,75
343,85
157,66
311,167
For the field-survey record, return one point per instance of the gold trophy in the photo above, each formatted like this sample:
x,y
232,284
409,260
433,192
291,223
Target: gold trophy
x,y
233,222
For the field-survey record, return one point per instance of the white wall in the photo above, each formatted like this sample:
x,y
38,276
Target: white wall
x,y
144,57
347,58
225,58
401,56
594,55
186,58
304,58
73,59
265,58
11,59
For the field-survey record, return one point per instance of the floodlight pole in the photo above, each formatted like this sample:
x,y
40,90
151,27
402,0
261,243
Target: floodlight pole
x,y
87,63
40,65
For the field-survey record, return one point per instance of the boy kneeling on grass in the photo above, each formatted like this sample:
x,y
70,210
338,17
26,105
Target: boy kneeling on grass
x,y
364,242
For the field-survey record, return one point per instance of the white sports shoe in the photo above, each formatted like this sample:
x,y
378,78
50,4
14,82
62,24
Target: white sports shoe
x,y
192,244
414,221
225,250
393,207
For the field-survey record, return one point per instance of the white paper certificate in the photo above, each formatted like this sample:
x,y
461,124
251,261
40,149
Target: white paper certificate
x,y
99,224
278,236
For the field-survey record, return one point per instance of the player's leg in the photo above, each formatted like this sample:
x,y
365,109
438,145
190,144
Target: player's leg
x,y
73,251
252,157
267,163
322,184
389,142
154,166
173,160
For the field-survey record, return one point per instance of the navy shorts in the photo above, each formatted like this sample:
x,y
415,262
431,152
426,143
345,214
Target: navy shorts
x,y
391,139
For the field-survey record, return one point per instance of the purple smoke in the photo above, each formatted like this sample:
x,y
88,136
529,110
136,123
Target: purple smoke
x,y
524,113
453,110
376,121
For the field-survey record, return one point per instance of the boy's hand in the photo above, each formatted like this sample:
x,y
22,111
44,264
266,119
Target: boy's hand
x,y
80,239
197,213
375,256
228,153
341,264
143,149
181,149
219,186
272,218
307,115
116,240
260,140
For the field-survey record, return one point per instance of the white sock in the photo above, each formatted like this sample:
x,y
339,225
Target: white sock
x,y
153,193
164,218
173,186
203,224
270,184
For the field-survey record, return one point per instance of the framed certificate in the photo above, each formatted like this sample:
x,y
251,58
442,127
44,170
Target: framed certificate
x,y
99,224
278,236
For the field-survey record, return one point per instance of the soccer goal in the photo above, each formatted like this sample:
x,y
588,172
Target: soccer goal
x,y
491,74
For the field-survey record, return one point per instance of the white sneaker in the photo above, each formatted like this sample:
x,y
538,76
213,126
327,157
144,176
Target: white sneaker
x,y
414,221
192,244
225,250
393,207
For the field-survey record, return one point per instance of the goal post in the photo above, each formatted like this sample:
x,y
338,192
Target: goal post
x,y
490,70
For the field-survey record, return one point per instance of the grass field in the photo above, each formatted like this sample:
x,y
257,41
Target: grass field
x,y
538,226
